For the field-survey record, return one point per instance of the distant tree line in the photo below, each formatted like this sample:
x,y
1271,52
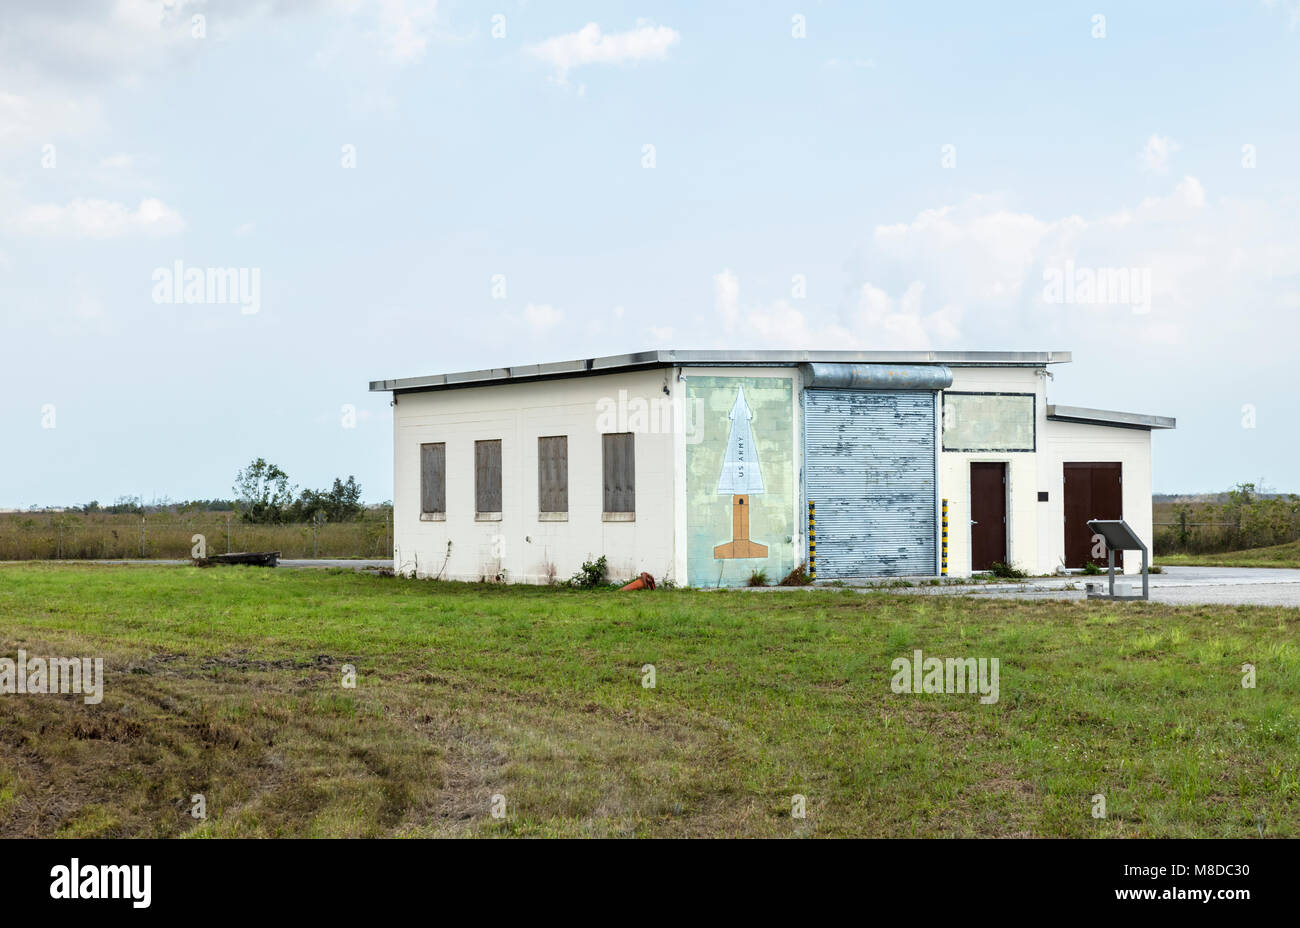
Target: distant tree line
x,y
264,495
133,504
1241,518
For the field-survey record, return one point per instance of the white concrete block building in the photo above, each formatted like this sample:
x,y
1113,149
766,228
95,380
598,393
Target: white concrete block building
x,y
706,466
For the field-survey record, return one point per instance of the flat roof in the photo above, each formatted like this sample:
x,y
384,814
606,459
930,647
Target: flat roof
x,y
715,358
1130,420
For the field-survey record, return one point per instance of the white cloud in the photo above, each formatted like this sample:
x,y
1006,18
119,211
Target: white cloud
x,y
726,298
541,317
990,246
38,117
405,27
101,219
400,30
1184,204
849,64
118,161
1155,154
58,58
902,323
86,43
647,42
1292,8
973,274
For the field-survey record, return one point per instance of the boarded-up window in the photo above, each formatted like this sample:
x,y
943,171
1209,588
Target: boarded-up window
x,y
433,478
487,476
620,472
553,474
988,422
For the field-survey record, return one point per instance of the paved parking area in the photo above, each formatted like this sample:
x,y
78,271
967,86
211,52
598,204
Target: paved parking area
x,y
1247,586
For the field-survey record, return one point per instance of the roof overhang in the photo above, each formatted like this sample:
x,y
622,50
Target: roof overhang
x,y
713,358
1110,417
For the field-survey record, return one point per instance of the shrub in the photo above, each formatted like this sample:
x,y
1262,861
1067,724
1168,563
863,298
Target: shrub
x,y
1006,571
590,575
758,578
1246,516
1091,568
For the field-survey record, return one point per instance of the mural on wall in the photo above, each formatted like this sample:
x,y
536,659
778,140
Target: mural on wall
x,y
737,521
741,478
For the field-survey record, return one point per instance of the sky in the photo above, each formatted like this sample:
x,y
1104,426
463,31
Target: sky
x,y
408,187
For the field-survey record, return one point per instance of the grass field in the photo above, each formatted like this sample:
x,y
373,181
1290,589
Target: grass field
x,y
1287,555
227,683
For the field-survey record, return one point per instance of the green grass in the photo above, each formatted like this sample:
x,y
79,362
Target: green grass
x,y
227,682
1287,555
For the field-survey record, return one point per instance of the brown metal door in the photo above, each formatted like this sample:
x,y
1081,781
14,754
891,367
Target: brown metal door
x,y
988,514
1093,490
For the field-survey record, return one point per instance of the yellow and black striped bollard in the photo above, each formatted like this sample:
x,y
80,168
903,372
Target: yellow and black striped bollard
x,y
812,540
943,563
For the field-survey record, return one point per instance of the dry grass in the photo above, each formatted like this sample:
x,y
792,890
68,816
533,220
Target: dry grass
x,y
26,536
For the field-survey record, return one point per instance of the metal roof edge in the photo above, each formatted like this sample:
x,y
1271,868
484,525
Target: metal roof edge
x,y
1111,417
715,358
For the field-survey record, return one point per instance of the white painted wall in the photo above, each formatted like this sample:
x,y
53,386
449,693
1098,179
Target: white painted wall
x,y
1023,522
522,544
1074,441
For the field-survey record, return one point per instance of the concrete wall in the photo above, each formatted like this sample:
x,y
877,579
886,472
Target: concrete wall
x,y
1073,441
521,544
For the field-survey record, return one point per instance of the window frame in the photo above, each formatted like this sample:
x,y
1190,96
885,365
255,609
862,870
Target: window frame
x,y
1033,428
609,493
561,486
482,492
433,515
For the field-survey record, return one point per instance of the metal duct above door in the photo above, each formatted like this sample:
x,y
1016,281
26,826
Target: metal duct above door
x,y
876,376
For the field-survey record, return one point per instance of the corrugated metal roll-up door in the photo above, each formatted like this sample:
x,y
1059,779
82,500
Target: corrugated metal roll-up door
x,y
869,460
